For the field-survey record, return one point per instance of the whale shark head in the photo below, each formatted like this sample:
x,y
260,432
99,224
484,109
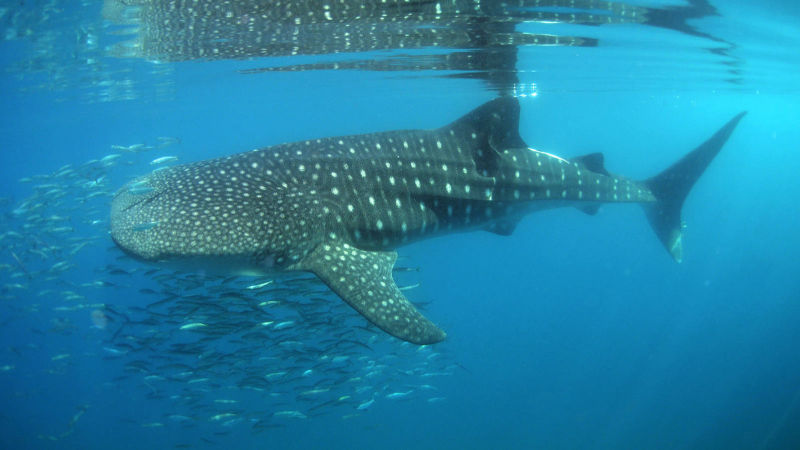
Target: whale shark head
x,y
209,215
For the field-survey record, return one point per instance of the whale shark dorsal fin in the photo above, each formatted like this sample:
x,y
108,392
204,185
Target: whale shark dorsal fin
x,y
494,127
363,279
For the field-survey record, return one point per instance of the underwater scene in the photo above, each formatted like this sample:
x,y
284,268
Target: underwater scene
x,y
399,224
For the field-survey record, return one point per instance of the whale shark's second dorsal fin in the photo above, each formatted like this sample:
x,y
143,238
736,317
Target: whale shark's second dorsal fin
x,y
364,280
594,162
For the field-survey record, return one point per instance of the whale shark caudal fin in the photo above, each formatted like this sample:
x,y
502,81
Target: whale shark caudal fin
x,y
363,279
671,187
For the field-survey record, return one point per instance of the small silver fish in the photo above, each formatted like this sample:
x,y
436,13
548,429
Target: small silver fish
x,y
110,158
366,404
284,324
396,395
140,187
163,160
259,285
292,414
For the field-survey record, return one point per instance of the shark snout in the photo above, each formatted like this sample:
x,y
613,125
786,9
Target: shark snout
x,y
134,217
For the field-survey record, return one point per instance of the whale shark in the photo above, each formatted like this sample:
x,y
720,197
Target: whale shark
x,y
339,207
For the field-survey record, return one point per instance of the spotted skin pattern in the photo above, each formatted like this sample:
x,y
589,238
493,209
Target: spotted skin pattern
x,y
339,206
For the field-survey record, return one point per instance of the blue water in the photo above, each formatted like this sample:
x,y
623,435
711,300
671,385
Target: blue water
x,y
577,331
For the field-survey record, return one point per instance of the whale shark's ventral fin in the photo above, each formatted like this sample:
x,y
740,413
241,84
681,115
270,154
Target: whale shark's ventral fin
x,y
363,279
671,187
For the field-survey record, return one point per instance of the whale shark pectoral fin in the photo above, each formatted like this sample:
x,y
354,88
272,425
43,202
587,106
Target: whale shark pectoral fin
x,y
504,227
363,279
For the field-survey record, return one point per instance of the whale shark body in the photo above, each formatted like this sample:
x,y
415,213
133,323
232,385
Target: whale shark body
x,y
338,207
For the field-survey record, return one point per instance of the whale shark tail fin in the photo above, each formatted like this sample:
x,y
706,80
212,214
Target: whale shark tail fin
x,y
671,187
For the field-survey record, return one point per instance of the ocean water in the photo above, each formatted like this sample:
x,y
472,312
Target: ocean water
x,y
576,331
